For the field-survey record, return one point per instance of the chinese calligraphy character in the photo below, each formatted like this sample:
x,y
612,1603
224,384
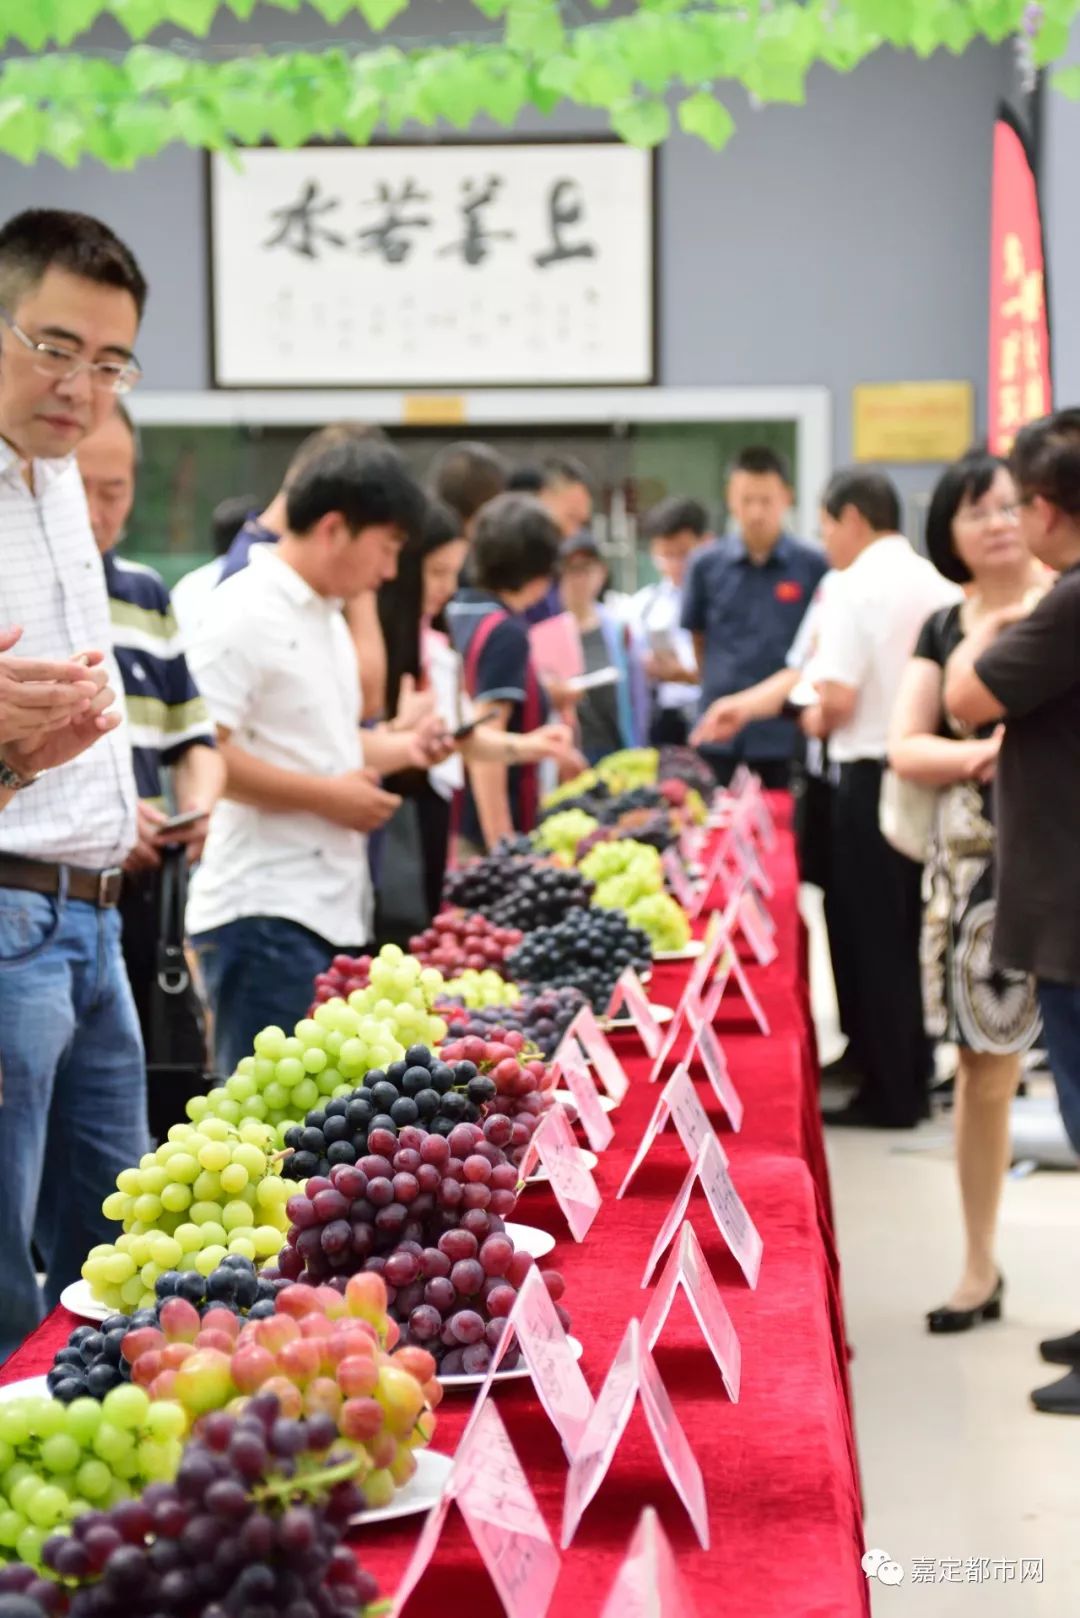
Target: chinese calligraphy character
x,y
1004,1568
1009,368
474,245
922,1570
1034,398
1032,351
565,208
1031,1570
389,236
1028,302
1012,252
1009,411
951,1570
299,229
978,1569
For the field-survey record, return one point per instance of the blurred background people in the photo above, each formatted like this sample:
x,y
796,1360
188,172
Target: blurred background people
x,y
675,530
612,715
191,593
562,484
465,476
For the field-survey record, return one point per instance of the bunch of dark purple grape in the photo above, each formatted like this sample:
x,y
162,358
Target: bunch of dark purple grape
x,y
686,764
543,1017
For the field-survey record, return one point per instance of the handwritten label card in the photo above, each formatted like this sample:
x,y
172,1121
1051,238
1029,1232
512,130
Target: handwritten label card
x,y
678,1101
493,1495
691,843
738,972
633,1375
571,1066
731,1217
716,935
594,1043
749,862
678,881
764,823
756,935
686,1268
715,869
630,992
703,1040
574,1187
545,1348
649,1584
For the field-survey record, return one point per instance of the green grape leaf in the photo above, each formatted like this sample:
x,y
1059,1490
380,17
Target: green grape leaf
x,y
243,115
63,137
194,15
70,19
491,8
641,123
150,70
242,8
20,129
138,17
701,115
505,86
1067,82
140,128
378,13
956,28
361,116
846,41
996,19
1051,41
534,27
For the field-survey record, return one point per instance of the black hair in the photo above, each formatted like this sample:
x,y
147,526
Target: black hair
x,y
558,469
516,542
872,494
41,239
525,480
227,519
400,600
965,480
467,475
760,460
678,514
1046,460
335,432
366,483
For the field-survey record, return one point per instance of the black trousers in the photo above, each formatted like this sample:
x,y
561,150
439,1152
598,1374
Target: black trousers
x,y
669,727
878,915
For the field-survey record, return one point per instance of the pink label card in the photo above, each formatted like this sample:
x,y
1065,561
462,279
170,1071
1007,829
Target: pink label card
x,y
757,936
545,1348
716,936
691,843
729,1214
675,1029
500,1511
648,1583
738,972
714,870
424,1550
764,823
594,1043
572,1182
703,1040
686,1268
630,992
678,881
633,1374
749,862
679,1102
574,1071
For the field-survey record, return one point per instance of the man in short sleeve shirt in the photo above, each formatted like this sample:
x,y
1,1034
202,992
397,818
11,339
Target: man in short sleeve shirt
x,y
743,600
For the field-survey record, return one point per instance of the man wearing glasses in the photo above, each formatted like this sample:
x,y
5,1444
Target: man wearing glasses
x,y
74,1104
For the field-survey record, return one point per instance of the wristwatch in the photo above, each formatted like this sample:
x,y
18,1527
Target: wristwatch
x,y
12,781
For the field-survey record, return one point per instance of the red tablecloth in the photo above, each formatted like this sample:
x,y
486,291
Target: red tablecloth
x,y
779,1467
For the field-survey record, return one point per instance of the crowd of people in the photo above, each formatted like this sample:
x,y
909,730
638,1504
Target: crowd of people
x,y
349,695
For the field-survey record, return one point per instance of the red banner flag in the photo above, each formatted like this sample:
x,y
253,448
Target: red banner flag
x,y
1019,384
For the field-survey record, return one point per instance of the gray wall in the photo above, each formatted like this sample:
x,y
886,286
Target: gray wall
x,y
1060,193
838,242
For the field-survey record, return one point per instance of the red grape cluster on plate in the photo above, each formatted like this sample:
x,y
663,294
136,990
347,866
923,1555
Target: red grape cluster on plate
x,y
461,941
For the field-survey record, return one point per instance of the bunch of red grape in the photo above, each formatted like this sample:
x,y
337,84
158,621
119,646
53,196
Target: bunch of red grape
x,y
541,1018
345,974
253,1523
458,942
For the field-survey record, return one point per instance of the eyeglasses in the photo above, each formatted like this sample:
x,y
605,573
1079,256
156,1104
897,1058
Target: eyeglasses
x,y
52,360
983,519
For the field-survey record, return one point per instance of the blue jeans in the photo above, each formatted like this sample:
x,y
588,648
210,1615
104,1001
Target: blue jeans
x,y
74,1094
1060,1007
258,971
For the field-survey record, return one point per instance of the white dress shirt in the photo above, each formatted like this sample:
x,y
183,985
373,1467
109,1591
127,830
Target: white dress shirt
x,y
870,621
277,667
657,610
191,597
53,585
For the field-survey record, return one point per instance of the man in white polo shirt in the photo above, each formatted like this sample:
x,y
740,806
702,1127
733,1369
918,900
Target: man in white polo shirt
x,y
870,622
284,883
74,1110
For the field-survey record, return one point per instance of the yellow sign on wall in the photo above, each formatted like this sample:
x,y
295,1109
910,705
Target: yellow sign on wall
x,y
912,421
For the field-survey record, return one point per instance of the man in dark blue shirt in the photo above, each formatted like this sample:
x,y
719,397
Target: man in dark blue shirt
x,y
743,601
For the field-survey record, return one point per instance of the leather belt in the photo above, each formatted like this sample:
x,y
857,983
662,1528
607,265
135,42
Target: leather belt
x,y
100,888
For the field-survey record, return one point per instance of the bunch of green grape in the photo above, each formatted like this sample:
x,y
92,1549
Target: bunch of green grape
x,y
208,1190
476,989
58,1461
401,994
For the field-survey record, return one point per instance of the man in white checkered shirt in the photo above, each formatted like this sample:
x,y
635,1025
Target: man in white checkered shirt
x,y
74,1102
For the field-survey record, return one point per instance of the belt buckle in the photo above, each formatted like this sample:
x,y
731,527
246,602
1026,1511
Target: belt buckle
x,y
104,879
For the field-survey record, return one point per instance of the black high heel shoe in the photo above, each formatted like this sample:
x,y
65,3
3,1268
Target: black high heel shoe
x,y
943,1320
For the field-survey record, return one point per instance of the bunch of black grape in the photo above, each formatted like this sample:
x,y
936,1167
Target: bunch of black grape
x,y
589,951
686,764
254,1523
644,797
591,801
543,1017
542,898
91,1363
658,831
482,883
419,1090
518,844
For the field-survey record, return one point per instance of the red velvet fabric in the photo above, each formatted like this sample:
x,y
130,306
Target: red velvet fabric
x,y
780,1469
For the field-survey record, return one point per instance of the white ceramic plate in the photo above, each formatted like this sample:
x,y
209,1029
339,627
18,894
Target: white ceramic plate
x,y
30,1385
80,1300
527,1239
419,1495
540,1174
662,1015
565,1099
689,952
516,1375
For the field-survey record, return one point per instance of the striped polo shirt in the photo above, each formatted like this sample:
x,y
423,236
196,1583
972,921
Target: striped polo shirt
x,y
166,715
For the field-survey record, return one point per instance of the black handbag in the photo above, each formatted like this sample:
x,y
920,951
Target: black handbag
x,y
175,1026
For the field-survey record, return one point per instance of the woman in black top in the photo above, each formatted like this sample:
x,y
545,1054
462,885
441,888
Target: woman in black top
x,y
973,537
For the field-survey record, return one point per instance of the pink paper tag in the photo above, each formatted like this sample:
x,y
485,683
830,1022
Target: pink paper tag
x,y
749,862
501,1514
678,881
424,1550
649,1584
716,935
686,1268
631,992
738,972
546,1350
732,1219
713,871
574,1187
674,1030
703,1039
691,840
571,1065
587,1030
756,936
633,1374
678,1101
763,817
